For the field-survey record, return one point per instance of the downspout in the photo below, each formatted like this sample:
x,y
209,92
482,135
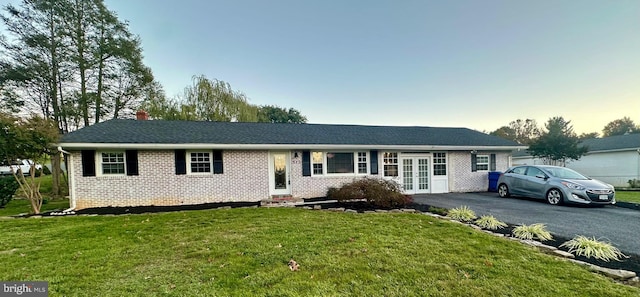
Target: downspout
x,y
638,165
70,174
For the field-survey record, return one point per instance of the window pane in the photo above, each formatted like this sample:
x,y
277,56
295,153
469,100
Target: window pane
x,y
362,162
200,162
390,161
113,163
317,157
440,164
482,162
339,162
317,169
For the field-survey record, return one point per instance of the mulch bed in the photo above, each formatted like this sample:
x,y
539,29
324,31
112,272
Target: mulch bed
x,y
152,209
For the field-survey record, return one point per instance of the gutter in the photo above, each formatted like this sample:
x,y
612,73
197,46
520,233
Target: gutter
x,y
72,187
165,146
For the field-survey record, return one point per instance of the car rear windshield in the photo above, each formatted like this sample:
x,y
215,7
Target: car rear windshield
x,y
565,173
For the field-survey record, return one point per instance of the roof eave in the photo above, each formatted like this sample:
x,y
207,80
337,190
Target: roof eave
x,y
167,146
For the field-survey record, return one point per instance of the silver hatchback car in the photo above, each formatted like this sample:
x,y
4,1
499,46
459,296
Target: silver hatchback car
x,y
555,184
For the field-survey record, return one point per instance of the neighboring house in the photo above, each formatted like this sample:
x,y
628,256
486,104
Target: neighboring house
x,y
614,160
154,162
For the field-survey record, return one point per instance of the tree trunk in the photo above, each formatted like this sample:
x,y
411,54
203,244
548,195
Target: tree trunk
x,y
55,174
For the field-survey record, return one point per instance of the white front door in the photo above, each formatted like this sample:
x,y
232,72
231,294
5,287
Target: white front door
x,y
279,165
416,175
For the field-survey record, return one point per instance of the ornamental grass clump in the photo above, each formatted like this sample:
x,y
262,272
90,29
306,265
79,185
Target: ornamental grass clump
x,y
490,222
590,247
462,214
532,231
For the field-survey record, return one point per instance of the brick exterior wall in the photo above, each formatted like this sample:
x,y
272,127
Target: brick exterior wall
x,y
314,186
461,179
245,179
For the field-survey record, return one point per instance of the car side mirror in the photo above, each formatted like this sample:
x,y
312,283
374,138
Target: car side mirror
x,y
541,176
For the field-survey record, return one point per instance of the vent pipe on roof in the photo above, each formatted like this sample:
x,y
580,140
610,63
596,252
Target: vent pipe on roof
x,y
142,115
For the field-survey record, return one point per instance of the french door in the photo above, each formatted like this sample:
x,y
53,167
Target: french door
x,y
415,175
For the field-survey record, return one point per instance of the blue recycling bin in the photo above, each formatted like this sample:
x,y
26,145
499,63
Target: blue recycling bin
x,y
493,180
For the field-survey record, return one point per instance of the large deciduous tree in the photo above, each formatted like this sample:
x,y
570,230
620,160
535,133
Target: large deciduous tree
x,y
276,114
620,127
520,131
214,100
31,139
73,61
558,143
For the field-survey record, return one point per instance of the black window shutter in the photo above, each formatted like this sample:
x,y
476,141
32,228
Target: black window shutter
x,y
132,162
374,162
88,163
217,162
492,162
181,162
474,163
306,163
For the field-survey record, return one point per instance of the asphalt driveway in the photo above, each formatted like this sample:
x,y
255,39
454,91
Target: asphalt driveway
x,y
620,226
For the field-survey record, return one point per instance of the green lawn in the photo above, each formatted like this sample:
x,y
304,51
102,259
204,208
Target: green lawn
x,y
244,252
20,206
628,196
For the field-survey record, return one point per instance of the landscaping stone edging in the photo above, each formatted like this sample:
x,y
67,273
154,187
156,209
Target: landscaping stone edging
x,y
623,276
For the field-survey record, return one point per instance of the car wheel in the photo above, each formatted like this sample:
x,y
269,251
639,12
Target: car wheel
x,y
503,191
554,197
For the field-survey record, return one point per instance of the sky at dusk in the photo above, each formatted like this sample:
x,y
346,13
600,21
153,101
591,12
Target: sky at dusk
x,y
475,64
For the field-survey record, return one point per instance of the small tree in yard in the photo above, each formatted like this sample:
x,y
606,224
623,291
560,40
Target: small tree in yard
x,y
32,139
558,144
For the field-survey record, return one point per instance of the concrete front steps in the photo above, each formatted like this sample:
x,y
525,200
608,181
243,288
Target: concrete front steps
x,y
281,201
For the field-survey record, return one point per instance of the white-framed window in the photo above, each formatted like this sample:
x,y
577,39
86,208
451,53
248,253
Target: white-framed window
x,y
317,161
199,162
390,164
482,162
363,165
440,164
330,163
112,163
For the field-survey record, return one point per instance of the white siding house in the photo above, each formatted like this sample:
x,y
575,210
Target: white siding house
x,y
614,160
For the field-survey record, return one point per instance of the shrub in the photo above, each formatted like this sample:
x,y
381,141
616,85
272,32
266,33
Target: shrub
x,y
634,183
438,210
590,247
462,214
490,222
378,192
8,187
528,232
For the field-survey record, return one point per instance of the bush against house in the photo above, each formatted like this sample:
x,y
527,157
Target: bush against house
x,y
378,192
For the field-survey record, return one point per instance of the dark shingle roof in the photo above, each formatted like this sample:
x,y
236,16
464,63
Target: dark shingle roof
x,y
190,132
611,143
619,142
